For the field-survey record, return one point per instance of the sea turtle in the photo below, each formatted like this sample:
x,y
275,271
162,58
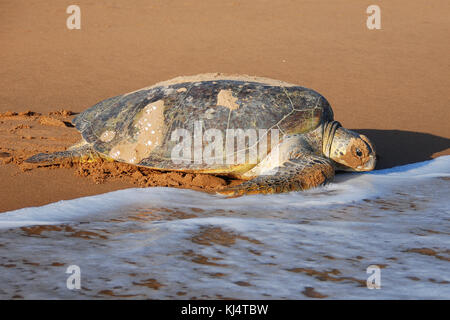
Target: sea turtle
x,y
298,143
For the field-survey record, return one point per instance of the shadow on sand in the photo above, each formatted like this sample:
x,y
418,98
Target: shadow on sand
x,y
396,147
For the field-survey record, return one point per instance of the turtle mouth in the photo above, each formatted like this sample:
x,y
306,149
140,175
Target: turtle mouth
x,y
369,165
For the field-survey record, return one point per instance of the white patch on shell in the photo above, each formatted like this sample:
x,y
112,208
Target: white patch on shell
x,y
107,136
141,145
115,155
209,114
225,99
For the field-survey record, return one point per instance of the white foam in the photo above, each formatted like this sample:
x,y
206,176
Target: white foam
x,y
323,238
345,189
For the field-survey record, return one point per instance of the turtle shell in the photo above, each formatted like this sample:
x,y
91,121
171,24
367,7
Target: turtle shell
x,y
137,127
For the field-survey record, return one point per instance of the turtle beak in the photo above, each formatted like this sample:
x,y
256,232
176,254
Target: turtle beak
x,y
369,165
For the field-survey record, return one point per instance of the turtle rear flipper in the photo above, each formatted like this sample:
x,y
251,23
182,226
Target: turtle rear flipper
x,y
294,174
78,152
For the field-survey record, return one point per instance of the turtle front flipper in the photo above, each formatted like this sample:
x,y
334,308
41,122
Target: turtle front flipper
x,y
301,173
79,152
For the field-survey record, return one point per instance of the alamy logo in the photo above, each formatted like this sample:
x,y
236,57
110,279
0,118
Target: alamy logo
x,y
374,20
374,280
74,280
74,20
213,146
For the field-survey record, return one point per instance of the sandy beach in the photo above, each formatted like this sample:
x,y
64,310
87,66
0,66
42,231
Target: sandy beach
x,y
389,84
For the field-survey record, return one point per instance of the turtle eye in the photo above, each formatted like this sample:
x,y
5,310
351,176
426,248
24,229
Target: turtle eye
x,y
358,152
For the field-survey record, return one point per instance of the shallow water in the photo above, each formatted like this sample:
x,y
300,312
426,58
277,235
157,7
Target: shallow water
x,y
162,243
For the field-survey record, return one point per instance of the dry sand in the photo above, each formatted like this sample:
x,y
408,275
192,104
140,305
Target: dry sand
x,y
390,84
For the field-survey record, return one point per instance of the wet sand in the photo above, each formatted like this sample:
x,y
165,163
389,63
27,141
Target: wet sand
x,y
390,84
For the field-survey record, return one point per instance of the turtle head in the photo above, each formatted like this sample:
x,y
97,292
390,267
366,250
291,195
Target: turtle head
x,y
349,150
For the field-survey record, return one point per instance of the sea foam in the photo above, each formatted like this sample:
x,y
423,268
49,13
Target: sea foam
x,y
170,243
345,189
